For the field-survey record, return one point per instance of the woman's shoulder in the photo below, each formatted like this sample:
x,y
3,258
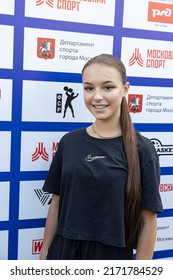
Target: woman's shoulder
x,y
73,135
145,147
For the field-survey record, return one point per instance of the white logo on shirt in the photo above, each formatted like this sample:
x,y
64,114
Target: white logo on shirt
x,y
91,158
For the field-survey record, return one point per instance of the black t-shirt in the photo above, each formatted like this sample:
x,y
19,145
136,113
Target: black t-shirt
x,y
90,176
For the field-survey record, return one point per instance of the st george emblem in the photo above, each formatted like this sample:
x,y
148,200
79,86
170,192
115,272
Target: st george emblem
x,y
46,48
135,103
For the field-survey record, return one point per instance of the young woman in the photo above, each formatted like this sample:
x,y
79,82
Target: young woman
x,y
105,178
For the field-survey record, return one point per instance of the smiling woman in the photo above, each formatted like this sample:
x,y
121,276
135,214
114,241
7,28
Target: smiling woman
x,y
103,93
105,178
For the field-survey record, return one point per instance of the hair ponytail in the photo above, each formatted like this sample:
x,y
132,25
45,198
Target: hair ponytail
x,y
133,189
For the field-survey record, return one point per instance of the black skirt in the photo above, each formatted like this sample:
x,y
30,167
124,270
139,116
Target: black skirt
x,y
69,249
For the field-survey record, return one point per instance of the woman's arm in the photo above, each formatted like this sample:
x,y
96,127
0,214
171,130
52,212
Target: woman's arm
x,y
147,236
50,227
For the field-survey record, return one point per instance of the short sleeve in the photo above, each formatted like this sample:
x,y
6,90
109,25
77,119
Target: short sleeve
x,y
150,178
53,179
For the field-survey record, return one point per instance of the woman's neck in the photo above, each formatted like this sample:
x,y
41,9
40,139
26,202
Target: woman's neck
x,y
106,129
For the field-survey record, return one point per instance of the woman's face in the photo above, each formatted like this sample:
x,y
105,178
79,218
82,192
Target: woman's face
x,y
103,91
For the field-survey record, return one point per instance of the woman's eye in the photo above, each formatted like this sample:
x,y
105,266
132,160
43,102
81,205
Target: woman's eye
x,y
109,88
88,88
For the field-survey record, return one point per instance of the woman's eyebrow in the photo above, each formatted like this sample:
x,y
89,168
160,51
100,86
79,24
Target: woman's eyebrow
x,y
106,82
87,83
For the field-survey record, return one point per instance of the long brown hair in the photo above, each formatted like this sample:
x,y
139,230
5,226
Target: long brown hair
x,y
133,189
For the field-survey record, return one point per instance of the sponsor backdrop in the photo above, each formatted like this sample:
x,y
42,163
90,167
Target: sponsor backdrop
x,y
45,44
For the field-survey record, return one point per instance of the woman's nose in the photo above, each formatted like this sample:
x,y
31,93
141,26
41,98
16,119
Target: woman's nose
x,y
98,95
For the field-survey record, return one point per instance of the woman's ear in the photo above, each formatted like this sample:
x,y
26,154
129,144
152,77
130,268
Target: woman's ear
x,y
126,88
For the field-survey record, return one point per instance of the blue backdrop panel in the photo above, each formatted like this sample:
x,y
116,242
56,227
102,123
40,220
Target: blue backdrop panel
x,y
46,44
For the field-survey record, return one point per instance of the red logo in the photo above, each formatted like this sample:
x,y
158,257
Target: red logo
x,y
54,148
136,58
40,151
135,103
48,2
160,12
166,187
46,48
36,246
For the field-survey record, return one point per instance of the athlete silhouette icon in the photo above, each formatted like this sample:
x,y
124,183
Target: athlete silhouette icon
x,y
70,96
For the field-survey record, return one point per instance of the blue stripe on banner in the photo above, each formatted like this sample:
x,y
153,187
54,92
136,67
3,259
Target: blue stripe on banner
x,y
163,254
146,34
7,19
15,132
166,170
166,213
137,81
118,26
36,223
154,127
68,26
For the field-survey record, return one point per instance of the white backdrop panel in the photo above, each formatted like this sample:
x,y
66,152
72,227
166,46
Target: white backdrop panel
x,y
31,194
6,56
74,11
45,102
5,150
147,58
7,7
4,201
70,50
166,191
136,15
164,146
4,245
5,99
155,105
37,149
30,243
164,240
